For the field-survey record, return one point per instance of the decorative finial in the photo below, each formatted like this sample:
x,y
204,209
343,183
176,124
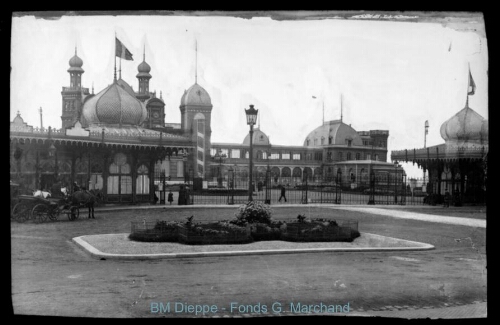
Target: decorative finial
x,y
144,53
18,113
161,95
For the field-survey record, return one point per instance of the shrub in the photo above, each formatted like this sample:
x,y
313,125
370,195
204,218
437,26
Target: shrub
x,y
253,212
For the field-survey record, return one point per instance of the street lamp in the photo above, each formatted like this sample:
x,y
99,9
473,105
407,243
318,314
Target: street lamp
x,y
230,181
371,200
184,160
396,182
251,114
268,180
219,155
338,197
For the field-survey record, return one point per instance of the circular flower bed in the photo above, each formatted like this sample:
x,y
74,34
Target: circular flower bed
x,y
252,222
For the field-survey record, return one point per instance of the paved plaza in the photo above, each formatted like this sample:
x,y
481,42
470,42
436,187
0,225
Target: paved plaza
x,y
51,275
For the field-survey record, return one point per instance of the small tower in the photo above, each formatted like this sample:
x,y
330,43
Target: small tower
x,y
143,76
72,96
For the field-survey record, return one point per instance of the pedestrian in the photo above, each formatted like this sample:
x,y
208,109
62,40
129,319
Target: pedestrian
x,y
447,198
76,188
170,197
283,192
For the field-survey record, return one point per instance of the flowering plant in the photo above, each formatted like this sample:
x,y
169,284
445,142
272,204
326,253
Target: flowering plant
x,y
253,212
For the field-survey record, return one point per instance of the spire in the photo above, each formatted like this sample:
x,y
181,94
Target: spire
x,y
323,112
75,50
196,62
92,87
144,53
161,97
341,110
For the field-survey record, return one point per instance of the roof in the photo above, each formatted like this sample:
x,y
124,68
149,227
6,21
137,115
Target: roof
x,y
259,138
115,106
196,96
338,130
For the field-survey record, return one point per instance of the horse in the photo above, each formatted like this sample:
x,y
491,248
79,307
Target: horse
x,y
87,199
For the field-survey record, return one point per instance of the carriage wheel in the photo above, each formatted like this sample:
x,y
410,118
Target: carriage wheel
x,y
73,213
20,212
40,213
54,214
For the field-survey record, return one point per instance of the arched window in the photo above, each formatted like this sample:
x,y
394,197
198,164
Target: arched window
x,y
307,142
322,140
119,180
142,183
376,157
330,140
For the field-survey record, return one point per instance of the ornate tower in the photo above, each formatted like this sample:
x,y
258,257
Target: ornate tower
x,y
72,96
143,76
196,115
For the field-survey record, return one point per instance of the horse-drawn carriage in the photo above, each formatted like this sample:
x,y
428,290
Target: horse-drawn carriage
x,y
40,209
41,206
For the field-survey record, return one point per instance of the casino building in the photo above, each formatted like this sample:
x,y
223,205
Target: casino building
x,y
117,141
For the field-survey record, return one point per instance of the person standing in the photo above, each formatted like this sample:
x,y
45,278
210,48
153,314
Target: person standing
x,y
283,192
170,197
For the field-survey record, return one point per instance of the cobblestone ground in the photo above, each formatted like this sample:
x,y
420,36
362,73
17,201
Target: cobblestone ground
x,y
52,276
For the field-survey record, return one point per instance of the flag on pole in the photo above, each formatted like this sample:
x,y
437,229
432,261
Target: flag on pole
x,y
122,51
472,85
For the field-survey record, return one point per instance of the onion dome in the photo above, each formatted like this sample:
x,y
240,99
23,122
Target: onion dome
x,y
122,83
113,106
465,126
337,130
196,96
75,64
144,70
259,138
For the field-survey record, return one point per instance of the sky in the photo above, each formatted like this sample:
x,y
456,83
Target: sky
x,y
392,74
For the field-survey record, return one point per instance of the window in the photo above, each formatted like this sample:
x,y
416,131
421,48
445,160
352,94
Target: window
x,y
368,156
224,152
235,153
285,156
213,151
348,142
119,181
329,156
307,142
180,168
322,140
163,167
341,156
358,156
296,156
200,155
274,155
376,157
309,156
348,156
264,155
315,142
247,155
318,156
142,183
330,140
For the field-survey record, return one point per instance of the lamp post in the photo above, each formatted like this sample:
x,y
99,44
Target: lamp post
x,y
230,181
219,155
53,153
251,114
396,182
268,180
371,200
184,160
338,195
426,126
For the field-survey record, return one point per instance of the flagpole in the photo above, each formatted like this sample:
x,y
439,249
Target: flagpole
x,y
120,67
115,57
